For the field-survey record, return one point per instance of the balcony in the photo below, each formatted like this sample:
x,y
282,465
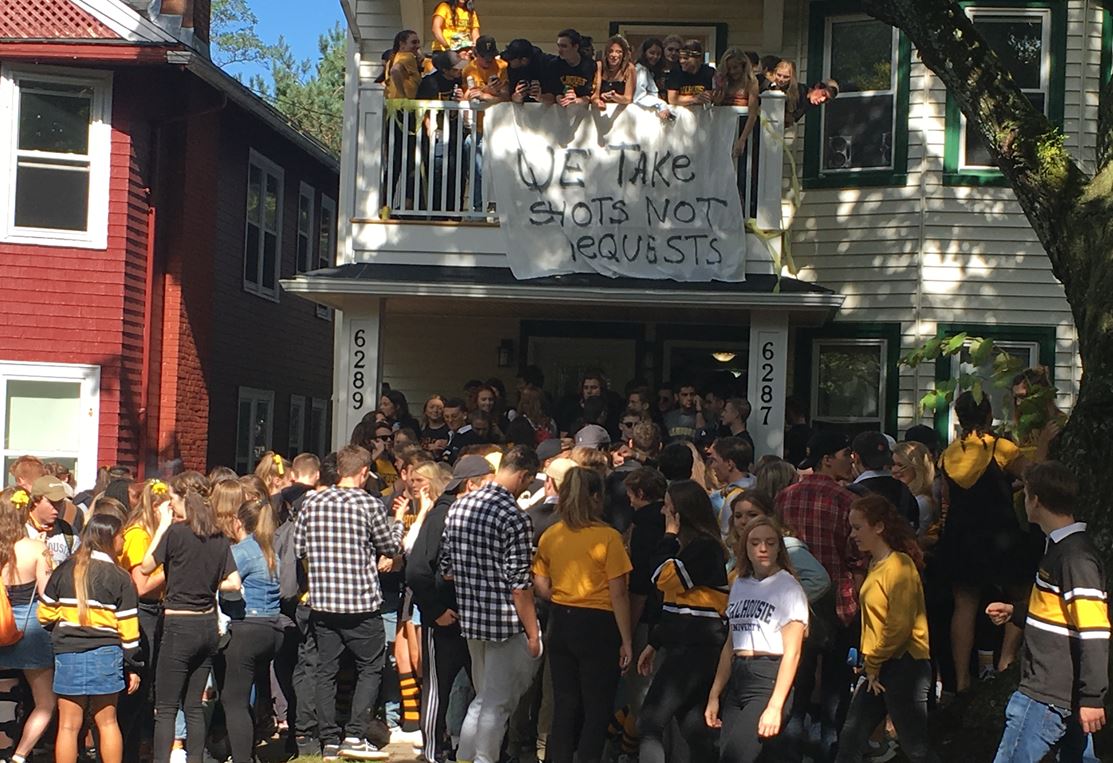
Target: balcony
x,y
418,201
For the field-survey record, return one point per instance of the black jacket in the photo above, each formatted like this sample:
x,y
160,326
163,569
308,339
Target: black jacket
x,y
432,593
896,491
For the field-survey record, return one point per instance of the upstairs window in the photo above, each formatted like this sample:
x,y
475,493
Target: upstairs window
x,y
263,238
56,150
326,244
306,200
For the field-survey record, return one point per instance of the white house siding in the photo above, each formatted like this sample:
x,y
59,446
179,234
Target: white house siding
x,y
926,253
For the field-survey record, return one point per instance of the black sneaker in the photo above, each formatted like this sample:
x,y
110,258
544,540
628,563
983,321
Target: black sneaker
x,y
361,749
307,746
331,752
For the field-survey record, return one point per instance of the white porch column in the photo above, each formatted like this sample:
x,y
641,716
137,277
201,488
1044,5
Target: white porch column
x,y
358,368
768,376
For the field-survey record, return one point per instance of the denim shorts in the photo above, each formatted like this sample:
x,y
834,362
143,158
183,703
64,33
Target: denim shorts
x,y
32,652
86,674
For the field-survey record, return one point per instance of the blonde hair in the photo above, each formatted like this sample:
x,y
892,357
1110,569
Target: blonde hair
x,y
627,58
748,83
792,91
257,518
917,458
580,502
227,497
144,513
591,458
274,470
742,559
435,474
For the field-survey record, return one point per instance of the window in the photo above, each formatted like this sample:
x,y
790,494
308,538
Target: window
x,y
317,441
306,200
862,136
56,149
254,425
1026,352
296,442
51,410
849,384
263,239
1030,40
326,244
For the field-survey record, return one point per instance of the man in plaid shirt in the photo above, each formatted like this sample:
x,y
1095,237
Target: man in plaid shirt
x,y
487,552
817,511
343,531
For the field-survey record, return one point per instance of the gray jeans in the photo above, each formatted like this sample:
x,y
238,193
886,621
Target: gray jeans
x,y
501,671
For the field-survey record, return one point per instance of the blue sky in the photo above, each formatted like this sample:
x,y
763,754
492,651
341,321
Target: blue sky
x,y
300,22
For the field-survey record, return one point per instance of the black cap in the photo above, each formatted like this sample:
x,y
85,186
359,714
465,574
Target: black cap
x,y
486,46
519,48
550,448
468,467
872,449
924,435
825,443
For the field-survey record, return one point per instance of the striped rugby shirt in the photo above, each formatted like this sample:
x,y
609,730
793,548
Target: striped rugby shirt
x,y
112,616
1066,624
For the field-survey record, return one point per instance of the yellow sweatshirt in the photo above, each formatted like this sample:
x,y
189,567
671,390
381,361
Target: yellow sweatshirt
x,y
894,616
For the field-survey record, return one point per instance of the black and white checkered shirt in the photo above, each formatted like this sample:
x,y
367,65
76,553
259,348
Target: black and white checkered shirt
x,y
487,551
343,532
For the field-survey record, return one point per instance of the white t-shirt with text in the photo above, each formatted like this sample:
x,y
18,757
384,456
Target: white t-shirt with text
x,y
759,609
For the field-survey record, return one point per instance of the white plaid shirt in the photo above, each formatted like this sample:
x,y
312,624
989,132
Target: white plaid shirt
x,y
487,551
343,532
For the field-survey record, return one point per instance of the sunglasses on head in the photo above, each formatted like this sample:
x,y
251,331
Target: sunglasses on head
x,y
385,437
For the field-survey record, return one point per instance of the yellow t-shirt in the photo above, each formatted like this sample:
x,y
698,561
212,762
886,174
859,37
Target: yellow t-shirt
x,y
580,564
965,460
458,23
411,76
894,616
136,542
493,77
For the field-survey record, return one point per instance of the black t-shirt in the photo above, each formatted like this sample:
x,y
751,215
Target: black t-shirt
x,y
560,76
437,87
194,567
691,84
534,70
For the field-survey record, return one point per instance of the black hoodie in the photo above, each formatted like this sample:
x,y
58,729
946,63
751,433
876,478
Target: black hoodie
x,y
432,593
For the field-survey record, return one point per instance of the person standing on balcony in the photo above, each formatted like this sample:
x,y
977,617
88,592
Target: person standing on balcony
x,y
615,75
570,77
443,131
737,86
403,77
693,82
525,64
454,22
671,60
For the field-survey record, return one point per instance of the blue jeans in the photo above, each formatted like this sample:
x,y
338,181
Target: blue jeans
x,y
390,694
1033,729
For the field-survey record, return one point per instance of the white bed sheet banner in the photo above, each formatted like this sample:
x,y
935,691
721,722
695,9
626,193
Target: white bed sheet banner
x,y
619,193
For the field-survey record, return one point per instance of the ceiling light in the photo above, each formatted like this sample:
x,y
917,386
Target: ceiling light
x,y
723,357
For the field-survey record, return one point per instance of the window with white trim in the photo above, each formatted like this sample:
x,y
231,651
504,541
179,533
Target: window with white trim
x,y
326,243
860,53
1027,355
263,236
296,440
254,426
849,383
1021,38
317,441
51,411
306,199
55,151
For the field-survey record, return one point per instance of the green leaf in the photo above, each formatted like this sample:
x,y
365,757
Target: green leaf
x,y
976,391
927,402
955,343
981,351
932,348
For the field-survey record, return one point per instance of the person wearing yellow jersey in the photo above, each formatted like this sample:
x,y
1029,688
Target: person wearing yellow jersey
x,y
691,574
581,567
895,666
486,80
454,21
402,76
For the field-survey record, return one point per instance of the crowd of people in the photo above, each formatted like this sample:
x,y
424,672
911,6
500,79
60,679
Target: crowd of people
x,y
601,577
465,65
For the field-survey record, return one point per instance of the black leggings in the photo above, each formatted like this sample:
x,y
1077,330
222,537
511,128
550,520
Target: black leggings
x,y
907,683
583,662
185,659
247,660
679,690
747,694
446,654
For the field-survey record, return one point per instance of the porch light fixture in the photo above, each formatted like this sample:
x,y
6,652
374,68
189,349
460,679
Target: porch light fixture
x,y
506,353
723,357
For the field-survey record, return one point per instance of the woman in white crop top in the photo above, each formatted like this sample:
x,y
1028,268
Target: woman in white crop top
x,y
768,614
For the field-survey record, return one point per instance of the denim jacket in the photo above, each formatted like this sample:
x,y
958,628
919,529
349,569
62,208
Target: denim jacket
x,y
260,587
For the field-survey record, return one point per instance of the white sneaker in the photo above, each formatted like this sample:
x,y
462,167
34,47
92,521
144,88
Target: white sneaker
x,y
398,736
178,755
361,749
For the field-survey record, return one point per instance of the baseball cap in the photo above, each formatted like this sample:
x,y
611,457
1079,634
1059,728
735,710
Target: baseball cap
x,y
924,435
519,48
467,468
593,436
486,46
558,468
51,488
444,60
821,444
872,449
549,448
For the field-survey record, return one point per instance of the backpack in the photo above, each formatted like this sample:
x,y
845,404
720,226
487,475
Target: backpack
x,y
9,631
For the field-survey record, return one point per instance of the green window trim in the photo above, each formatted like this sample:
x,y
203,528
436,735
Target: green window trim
x,y
890,332
952,174
814,177
1106,42
1044,336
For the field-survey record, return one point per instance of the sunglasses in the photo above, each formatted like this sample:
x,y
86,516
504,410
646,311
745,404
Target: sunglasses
x,y
629,423
384,438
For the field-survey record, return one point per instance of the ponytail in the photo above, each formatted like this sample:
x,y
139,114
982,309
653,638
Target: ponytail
x,y
257,518
99,535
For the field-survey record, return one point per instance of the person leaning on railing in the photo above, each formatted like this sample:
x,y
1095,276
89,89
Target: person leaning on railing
x,y
615,75
693,82
736,85
650,78
403,77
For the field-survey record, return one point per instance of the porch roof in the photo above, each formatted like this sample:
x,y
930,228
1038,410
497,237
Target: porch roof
x,y
341,286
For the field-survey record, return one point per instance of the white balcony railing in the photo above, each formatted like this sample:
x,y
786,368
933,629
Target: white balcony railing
x,y
420,163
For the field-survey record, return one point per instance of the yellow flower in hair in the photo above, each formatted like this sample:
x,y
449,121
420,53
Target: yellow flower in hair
x,y
20,499
158,487
279,464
